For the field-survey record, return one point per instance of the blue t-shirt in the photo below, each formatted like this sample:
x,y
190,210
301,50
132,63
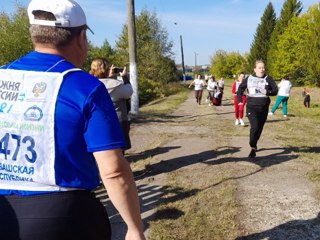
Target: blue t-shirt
x,y
85,122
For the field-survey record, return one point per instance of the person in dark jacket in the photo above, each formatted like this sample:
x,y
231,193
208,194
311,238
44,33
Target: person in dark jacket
x,y
260,86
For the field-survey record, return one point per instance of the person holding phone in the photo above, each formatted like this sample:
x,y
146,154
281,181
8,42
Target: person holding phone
x,y
117,83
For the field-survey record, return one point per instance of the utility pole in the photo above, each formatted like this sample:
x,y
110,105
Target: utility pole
x,y
182,56
195,61
133,58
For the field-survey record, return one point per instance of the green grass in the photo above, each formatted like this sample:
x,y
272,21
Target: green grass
x,y
166,105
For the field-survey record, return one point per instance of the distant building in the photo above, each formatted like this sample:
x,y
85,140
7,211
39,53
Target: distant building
x,y
189,69
186,68
205,68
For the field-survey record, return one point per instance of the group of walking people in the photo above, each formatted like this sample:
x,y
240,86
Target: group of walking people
x,y
214,89
253,91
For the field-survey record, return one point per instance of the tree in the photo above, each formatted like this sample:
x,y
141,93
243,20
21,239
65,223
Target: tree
x,y
260,46
310,54
154,53
288,51
235,63
15,40
298,49
225,64
105,51
290,9
218,63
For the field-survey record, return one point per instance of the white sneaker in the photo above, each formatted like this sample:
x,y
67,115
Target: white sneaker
x,y
236,122
241,122
270,113
206,100
284,115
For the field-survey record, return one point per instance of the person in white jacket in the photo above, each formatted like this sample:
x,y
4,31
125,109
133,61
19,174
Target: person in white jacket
x,y
212,87
283,96
120,91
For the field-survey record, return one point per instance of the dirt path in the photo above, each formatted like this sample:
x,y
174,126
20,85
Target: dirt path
x,y
275,199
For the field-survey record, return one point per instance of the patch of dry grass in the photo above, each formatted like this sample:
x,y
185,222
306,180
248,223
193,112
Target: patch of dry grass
x,y
207,209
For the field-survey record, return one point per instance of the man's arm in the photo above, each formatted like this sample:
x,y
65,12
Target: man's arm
x,y
118,180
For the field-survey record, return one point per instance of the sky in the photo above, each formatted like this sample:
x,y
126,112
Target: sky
x,y
205,25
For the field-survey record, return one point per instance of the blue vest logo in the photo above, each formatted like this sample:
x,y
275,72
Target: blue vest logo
x,y
33,113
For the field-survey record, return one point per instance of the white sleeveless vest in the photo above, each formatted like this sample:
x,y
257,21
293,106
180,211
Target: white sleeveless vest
x,y
27,142
255,84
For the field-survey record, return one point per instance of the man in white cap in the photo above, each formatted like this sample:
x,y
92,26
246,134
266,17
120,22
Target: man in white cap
x,y
59,136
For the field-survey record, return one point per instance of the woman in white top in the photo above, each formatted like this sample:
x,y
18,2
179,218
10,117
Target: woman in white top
x,y
283,96
211,89
198,88
221,84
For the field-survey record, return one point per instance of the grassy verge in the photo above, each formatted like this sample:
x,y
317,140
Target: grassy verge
x,y
196,210
166,105
300,132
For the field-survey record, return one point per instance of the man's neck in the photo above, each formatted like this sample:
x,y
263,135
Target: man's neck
x,y
46,49
63,52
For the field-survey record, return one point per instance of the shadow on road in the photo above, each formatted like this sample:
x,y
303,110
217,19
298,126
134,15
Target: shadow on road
x,y
212,157
297,229
174,163
149,153
282,155
169,118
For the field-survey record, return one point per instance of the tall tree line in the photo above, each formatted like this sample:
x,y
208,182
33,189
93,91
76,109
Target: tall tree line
x,y
290,10
261,43
290,45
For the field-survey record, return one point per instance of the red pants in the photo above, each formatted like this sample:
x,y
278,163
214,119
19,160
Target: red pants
x,y
238,110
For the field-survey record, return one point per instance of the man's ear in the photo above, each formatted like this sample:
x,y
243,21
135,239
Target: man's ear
x,y
82,40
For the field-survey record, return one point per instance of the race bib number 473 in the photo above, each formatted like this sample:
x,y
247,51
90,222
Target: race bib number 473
x,y
24,145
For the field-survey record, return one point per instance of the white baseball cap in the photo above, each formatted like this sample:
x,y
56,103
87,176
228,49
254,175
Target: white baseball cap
x,y
68,13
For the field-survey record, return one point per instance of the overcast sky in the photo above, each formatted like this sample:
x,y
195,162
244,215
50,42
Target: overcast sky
x,y
205,25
